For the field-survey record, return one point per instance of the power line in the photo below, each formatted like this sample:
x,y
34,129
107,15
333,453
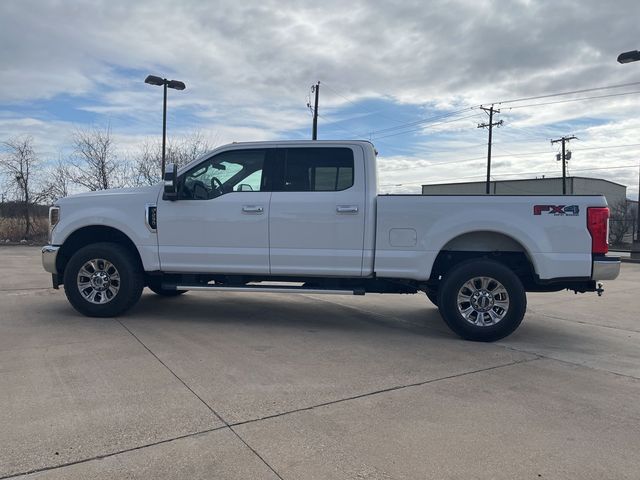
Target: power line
x,y
542,152
344,129
575,149
403,126
517,173
575,100
573,92
373,133
525,131
428,126
421,121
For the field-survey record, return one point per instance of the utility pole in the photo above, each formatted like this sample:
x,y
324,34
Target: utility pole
x,y
314,133
491,124
637,214
564,140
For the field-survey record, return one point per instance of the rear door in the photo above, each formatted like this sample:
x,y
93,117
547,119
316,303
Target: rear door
x,y
316,222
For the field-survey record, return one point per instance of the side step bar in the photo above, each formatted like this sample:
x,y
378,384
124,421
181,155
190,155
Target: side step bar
x,y
265,289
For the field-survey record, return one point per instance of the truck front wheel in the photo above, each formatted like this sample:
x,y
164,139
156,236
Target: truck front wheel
x,y
482,300
432,295
103,280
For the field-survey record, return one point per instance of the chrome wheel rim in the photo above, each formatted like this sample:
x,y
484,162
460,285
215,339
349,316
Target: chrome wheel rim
x,y
98,281
483,301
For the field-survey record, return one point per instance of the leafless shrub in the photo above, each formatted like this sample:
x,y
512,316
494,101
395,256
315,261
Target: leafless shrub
x,y
147,164
96,166
621,221
19,163
58,181
12,229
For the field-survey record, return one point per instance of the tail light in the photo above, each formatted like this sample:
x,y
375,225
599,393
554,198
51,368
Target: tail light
x,y
598,226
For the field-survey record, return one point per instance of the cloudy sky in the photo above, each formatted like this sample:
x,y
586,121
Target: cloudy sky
x,y
408,75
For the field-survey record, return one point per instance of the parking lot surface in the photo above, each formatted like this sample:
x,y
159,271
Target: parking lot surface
x,y
238,386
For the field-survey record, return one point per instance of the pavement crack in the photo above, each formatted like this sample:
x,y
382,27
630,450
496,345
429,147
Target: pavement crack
x,y
18,289
581,322
385,390
112,454
577,364
173,373
211,409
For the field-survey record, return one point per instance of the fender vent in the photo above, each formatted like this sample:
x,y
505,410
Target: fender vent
x,y
152,217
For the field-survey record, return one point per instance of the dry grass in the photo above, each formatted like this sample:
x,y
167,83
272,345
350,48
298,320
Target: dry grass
x,y
12,229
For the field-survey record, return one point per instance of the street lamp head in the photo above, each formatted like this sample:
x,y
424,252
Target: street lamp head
x,y
176,84
153,80
628,57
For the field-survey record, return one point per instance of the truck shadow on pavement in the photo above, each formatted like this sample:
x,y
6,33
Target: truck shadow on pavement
x,y
296,312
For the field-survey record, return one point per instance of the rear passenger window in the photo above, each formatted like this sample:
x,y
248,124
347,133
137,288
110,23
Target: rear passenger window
x,y
318,169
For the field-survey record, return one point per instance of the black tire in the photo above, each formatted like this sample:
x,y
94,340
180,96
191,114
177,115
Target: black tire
x,y
433,296
130,284
466,271
155,287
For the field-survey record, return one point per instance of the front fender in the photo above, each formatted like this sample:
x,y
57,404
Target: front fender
x,y
128,220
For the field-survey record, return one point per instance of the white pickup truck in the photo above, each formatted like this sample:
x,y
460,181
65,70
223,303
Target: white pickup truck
x,y
305,216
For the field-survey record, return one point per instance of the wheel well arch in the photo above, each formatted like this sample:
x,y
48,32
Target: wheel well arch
x,y
485,244
93,234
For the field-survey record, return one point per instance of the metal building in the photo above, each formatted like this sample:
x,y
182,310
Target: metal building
x,y
614,192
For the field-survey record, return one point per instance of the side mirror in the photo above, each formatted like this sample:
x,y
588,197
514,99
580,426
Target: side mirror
x,y
170,182
245,187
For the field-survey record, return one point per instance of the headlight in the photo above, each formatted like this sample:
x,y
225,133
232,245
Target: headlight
x,y
54,218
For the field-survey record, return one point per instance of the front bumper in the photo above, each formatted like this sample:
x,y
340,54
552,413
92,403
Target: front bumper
x,y
605,268
49,255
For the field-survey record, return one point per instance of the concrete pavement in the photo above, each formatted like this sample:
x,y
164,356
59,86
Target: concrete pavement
x,y
231,385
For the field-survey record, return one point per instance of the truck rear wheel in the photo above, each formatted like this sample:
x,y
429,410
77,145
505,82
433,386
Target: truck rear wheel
x,y
103,280
482,300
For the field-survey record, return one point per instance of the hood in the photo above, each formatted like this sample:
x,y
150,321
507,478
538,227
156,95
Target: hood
x,y
149,194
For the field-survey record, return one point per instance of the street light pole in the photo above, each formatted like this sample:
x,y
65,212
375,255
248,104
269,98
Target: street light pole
x,y
628,57
176,85
164,126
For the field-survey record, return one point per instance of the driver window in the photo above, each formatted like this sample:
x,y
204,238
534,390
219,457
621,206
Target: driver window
x,y
232,171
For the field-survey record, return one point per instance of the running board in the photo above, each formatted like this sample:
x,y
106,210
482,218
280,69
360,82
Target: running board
x,y
265,289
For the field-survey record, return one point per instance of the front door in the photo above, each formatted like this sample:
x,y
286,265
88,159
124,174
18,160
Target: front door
x,y
317,215
220,222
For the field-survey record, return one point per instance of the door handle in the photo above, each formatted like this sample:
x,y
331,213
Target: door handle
x,y
347,209
258,209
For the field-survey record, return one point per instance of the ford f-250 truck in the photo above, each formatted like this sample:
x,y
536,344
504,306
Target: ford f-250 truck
x,y
305,216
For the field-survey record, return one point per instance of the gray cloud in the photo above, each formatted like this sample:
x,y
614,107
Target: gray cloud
x,y
249,64
231,51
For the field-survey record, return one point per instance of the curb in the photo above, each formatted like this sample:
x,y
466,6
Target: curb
x,y
630,260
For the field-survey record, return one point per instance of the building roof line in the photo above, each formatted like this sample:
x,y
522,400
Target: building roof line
x,y
522,180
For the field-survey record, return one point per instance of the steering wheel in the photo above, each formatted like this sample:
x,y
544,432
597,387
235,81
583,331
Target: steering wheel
x,y
216,186
199,191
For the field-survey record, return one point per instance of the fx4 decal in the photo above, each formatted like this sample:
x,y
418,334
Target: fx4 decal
x,y
557,210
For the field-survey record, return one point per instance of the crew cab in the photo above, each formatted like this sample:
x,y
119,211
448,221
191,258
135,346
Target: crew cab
x,y
306,216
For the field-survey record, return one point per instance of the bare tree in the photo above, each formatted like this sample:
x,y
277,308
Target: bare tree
x,y
59,180
621,221
19,163
96,166
148,162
